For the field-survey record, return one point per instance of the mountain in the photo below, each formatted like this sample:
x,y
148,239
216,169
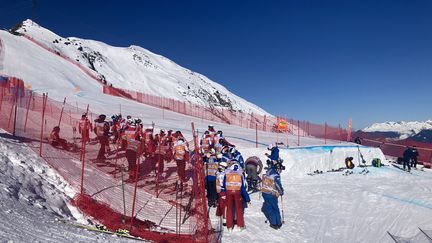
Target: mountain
x,y
133,68
401,130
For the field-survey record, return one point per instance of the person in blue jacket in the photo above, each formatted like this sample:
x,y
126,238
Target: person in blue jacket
x,y
274,154
271,190
236,155
211,165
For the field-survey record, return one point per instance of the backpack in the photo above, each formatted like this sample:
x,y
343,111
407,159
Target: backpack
x,y
376,162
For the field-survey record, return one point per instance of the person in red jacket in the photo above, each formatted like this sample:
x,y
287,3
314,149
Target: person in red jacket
x,y
84,127
235,195
161,148
102,132
134,148
181,156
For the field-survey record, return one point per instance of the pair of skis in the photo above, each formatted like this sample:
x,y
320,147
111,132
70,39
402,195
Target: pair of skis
x,y
102,229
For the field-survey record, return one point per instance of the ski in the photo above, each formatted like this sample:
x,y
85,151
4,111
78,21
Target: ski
x,y
398,167
102,229
424,233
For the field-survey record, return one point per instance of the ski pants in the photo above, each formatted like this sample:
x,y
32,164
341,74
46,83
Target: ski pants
x,y
414,162
181,169
160,163
131,157
407,163
211,192
270,209
234,199
220,211
103,140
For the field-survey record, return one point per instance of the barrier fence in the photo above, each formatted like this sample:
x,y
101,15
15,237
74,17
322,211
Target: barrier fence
x,y
396,148
237,118
151,198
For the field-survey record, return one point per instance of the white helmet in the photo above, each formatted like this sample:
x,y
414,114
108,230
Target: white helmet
x,y
270,146
223,164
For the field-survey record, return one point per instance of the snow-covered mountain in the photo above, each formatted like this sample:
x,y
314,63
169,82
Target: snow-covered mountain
x,y
133,68
402,128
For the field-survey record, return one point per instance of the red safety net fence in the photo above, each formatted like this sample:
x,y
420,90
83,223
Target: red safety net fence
x,y
396,148
241,119
151,197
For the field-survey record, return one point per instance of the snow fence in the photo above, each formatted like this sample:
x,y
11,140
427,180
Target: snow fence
x,y
154,204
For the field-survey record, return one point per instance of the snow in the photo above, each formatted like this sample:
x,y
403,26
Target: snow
x,y
133,68
34,199
405,129
328,207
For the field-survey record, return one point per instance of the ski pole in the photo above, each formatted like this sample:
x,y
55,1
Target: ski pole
x,y
282,206
124,202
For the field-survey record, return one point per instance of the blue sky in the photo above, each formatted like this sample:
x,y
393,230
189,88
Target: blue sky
x,y
312,60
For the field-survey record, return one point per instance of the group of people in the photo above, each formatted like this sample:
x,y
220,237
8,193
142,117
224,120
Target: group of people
x,y
228,177
410,158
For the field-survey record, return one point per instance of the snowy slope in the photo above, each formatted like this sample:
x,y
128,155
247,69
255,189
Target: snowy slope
x,y
34,199
405,129
133,68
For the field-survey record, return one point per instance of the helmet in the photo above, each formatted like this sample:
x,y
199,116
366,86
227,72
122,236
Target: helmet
x,y
178,132
180,139
84,115
212,151
162,131
210,125
149,128
219,132
270,146
206,132
223,164
233,150
219,156
137,121
129,120
102,116
56,128
128,117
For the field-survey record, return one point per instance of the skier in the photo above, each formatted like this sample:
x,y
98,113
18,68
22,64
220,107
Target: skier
x,y
235,195
169,146
84,127
181,155
274,154
211,165
220,189
134,148
236,155
254,167
161,147
149,143
102,132
55,140
414,155
407,156
206,143
271,190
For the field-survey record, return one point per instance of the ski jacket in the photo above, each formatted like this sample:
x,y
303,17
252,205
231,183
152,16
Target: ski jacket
x,y
274,154
271,183
84,126
211,166
206,144
234,182
219,181
180,150
132,135
101,128
161,144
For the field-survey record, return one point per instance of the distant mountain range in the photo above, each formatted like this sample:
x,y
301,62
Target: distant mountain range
x,y
414,130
